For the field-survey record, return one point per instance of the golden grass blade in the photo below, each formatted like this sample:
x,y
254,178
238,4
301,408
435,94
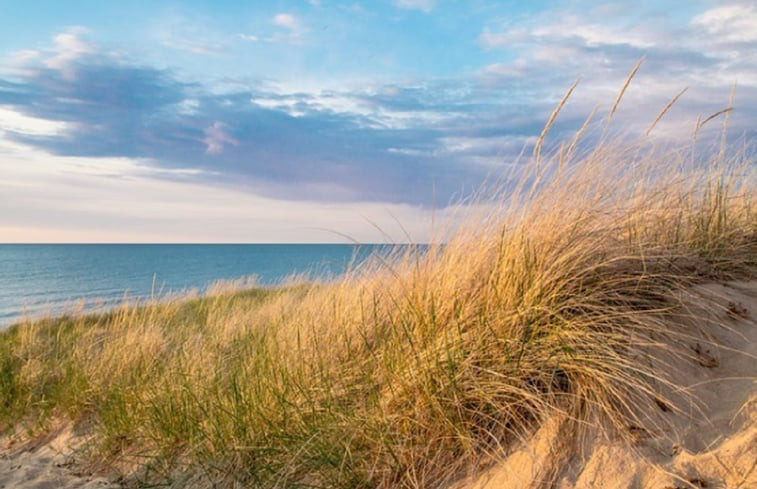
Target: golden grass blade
x,y
694,135
551,120
664,110
708,119
724,131
580,132
623,89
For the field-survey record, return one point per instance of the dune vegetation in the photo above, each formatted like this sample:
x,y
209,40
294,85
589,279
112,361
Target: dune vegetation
x,y
416,367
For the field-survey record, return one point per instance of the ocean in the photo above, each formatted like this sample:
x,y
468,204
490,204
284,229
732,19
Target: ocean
x,y
47,279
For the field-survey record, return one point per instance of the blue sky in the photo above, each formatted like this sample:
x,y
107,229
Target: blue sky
x,y
309,120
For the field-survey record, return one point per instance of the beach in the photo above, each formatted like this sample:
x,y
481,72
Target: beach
x,y
589,324
48,462
411,244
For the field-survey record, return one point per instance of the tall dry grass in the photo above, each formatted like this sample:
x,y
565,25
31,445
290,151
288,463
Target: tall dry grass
x,y
413,368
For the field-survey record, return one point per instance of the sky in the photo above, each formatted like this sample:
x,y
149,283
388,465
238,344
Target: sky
x,y
325,120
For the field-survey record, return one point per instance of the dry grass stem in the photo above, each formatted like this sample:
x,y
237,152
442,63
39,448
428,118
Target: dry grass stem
x,y
665,110
550,121
623,89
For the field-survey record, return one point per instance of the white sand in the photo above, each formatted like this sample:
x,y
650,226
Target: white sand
x,y
712,443
48,463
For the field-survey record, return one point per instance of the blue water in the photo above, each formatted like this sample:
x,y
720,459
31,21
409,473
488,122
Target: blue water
x,y
37,280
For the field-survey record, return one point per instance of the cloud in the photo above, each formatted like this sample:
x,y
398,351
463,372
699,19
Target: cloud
x,y
406,142
288,21
595,35
195,46
574,28
19,123
423,5
217,137
732,23
287,29
554,47
323,145
69,46
291,24
75,199
190,32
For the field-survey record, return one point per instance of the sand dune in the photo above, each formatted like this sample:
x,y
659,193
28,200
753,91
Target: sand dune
x,y
710,441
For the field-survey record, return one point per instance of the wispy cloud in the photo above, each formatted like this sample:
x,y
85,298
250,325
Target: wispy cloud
x,y
195,47
288,21
555,47
423,5
187,31
287,28
69,46
217,137
19,123
292,25
730,23
49,198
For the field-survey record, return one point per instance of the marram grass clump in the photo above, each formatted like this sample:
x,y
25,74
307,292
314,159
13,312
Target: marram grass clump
x,y
416,368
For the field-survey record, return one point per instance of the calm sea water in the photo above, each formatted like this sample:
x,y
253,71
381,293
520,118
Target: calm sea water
x,y
38,280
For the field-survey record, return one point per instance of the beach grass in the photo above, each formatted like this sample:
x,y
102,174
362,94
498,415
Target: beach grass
x,y
415,367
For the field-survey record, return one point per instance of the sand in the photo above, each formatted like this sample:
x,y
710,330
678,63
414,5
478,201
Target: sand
x,y
709,443
51,462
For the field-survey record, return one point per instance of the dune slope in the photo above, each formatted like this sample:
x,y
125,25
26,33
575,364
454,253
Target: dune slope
x,y
710,442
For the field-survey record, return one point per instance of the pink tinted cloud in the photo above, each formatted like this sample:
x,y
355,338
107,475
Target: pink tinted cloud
x,y
217,138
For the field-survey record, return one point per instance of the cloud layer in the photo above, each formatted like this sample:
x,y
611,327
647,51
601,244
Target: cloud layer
x,y
418,141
